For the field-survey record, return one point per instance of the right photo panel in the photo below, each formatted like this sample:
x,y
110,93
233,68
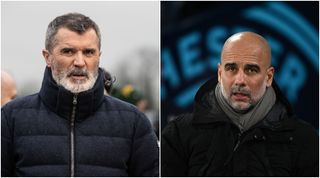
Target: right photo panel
x,y
239,89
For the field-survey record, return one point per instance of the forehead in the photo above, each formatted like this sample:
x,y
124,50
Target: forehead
x,y
244,53
65,36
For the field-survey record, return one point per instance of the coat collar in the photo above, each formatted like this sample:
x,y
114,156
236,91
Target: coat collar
x,y
208,111
59,100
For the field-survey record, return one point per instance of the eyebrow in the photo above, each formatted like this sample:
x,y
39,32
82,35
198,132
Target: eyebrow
x,y
67,48
91,49
72,48
230,65
252,66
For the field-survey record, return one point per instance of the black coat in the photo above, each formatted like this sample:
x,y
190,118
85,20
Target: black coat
x,y
207,143
111,137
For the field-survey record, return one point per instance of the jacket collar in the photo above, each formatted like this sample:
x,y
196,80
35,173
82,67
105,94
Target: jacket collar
x,y
60,101
208,111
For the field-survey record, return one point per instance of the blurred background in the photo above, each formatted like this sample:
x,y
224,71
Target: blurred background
x,y
130,44
193,33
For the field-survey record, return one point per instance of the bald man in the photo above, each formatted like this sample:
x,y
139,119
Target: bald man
x,y
242,125
8,88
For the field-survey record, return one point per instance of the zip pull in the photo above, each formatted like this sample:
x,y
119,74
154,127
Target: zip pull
x,y
238,142
234,149
75,97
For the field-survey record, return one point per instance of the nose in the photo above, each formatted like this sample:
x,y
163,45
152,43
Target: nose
x,y
240,78
79,60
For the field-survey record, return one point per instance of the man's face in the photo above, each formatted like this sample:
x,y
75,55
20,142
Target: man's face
x,y
244,74
74,59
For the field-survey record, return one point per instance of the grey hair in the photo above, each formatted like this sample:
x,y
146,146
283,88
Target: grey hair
x,y
72,21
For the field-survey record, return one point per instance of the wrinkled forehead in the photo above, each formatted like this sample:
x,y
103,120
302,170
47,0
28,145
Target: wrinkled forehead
x,y
67,37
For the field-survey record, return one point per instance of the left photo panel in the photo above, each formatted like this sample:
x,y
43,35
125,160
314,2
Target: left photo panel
x,y
80,89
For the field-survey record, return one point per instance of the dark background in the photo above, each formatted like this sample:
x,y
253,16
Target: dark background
x,y
192,35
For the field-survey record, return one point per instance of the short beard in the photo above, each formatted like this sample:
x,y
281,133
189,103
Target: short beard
x,y
253,100
62,78
236,107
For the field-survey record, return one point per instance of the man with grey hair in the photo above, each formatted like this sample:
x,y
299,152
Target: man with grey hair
x,y
70,128
242,125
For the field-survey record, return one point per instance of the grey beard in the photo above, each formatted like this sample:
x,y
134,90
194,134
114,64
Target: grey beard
x,y
78,87
230,104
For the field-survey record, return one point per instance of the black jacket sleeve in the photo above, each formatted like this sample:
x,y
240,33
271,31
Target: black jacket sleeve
x,y
144,160
173,158
307,163
7,157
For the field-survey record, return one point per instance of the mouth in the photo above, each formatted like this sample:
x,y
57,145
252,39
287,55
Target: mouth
x,y
237,96
78,76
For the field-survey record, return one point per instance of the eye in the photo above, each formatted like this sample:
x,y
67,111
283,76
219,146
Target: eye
x,y
230,68
252,70
67,51
89,52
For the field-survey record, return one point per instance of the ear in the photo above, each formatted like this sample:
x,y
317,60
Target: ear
x,y
219,72
269,76
47,57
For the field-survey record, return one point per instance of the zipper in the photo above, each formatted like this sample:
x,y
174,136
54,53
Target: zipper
x,y
234,148
238,142
72,121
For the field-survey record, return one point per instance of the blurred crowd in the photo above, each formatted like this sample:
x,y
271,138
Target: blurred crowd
x,y
130,94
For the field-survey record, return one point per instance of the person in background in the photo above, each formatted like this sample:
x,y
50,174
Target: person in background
x,y
108,82
241,125
131,95
70,128
8,88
